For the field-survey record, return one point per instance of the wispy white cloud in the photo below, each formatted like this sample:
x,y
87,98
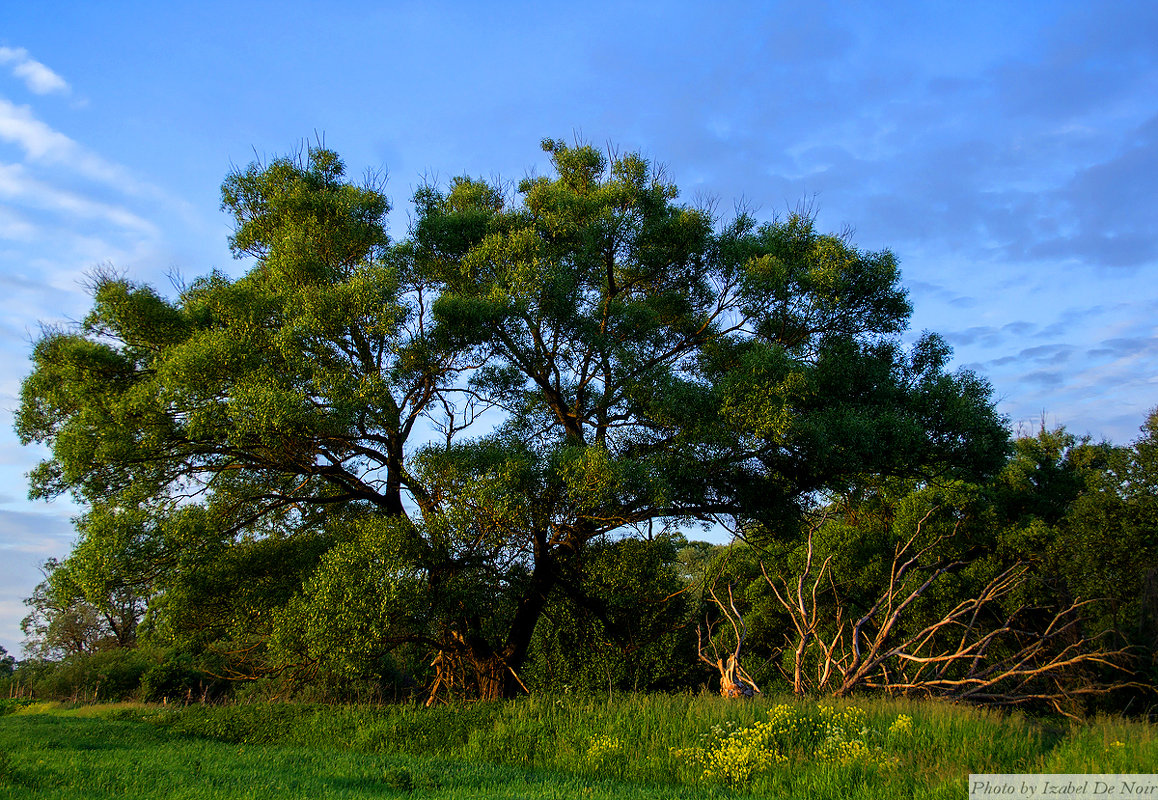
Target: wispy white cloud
x,y
17,184
38,140
42,144
63,208
37,77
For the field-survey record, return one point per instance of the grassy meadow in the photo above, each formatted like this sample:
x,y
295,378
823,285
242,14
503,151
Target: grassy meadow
x,y
545,747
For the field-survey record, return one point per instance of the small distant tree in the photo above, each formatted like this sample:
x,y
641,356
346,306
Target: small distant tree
x,y
63,622
56,627
7,662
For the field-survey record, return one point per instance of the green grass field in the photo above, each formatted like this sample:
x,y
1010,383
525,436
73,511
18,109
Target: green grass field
x,y
628,747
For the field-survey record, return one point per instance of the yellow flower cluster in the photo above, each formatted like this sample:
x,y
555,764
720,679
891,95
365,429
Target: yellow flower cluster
x,y
902,726
736,753
853,752
600,747
847,738
732,754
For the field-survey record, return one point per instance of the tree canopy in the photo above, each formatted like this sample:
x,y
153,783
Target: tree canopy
x,y
419,443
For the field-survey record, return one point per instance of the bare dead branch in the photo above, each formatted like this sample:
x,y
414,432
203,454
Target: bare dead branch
x,y
734,680
965,654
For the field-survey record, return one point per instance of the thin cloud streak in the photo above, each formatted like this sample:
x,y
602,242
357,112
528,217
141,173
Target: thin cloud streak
x,y
44,145
17,184
38,78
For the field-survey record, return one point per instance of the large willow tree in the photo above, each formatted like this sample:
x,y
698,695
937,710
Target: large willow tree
x,y
438,430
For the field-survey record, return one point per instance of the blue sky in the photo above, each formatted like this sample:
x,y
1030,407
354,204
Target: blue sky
x,y
1007,152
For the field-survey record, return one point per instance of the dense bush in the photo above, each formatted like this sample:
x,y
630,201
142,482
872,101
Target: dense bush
x,y
106,675
179,677
630,628
114,675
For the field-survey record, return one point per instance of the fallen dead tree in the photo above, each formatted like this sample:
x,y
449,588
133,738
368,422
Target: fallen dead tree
x,y
984,649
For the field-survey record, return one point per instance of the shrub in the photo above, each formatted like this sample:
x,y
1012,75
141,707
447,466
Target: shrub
x,y
175,677
104,675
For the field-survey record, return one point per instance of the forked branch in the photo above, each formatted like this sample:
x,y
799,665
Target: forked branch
x,y
734,681
976,651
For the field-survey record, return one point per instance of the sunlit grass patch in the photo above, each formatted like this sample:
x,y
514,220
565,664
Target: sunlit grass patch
x,y
547,746
1110,745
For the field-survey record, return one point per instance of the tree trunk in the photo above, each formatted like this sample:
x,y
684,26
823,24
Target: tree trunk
x,y
487,672
530,609
733,681
393,493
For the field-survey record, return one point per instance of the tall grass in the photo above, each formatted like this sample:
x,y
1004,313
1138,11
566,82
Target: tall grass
x,y
695,746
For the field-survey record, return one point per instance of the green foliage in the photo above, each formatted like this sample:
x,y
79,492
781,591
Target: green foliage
x,y
230,591
1067,514
365,594
61,622
1105,545
118,674
179,677
626,628
13,704
598,358
106,675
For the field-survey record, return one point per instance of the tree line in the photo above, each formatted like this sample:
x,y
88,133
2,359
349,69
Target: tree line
x,y
465,462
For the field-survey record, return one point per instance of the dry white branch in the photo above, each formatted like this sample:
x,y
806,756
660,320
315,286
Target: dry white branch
x,y
734,680
967,653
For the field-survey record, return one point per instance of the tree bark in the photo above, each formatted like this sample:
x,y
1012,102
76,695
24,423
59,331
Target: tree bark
x,y
494,671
